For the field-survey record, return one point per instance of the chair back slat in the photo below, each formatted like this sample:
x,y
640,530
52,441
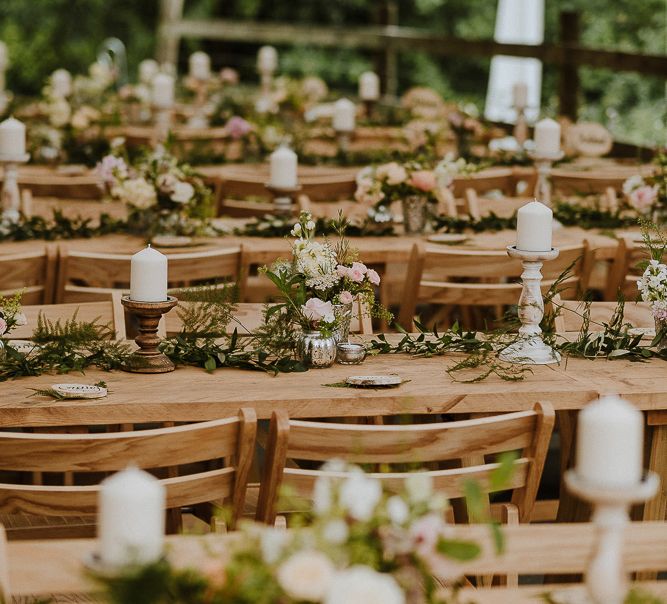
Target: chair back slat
x,y
320,441
486,180
33,271
156,448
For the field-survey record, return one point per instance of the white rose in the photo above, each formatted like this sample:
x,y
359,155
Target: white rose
x,y
397,510
307,575
336,531
363,585
419,487
138,192
272,544
183,192
322,496
59,113
359,495
80,120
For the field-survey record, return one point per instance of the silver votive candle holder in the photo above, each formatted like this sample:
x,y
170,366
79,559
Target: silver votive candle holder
x,y
350,354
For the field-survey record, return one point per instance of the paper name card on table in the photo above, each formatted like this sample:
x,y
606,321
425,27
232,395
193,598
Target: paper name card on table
x,y
588,139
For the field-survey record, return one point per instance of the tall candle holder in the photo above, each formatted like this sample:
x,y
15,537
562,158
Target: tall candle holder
x,y
264,102
148,359
343,138
369,108
530,348
606,581
521,125
543,163
283,198
162,122
10,195
199,118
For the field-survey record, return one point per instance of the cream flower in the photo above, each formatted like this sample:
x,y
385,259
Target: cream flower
x,y
363,585
183,192
397,510
136,192
307,575
359,495
419,487
59,112
272,543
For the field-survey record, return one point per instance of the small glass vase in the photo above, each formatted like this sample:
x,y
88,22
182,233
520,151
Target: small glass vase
x,y
415,214
316,350
343,314
661,327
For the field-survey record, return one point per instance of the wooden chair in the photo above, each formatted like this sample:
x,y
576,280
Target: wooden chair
x,y
86,276
624,273
491,179
45,181
569,319
248,318
445,277
423,444
33,272
167,450
109,313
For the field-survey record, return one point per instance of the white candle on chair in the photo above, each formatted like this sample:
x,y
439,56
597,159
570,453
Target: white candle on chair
x,y
131,518
61,83
148,69
369,86
344,117
163,91
520,95
148,276
267,59
534,227
547,137
12,137
200,66
610,443
283,168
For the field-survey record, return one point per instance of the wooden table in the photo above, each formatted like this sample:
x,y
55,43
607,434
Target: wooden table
x,y
54,567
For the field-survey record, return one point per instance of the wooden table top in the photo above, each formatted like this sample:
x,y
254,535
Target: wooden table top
x,y
191,394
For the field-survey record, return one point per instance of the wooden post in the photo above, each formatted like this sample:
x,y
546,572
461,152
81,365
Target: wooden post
x,y
568,85
171,13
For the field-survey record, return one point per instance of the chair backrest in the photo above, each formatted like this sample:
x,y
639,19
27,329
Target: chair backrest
x,y
624,273
88,275
528,431
109,312
567,182
34,272
487,180
49,182
162,448
436,275
248,317
570,319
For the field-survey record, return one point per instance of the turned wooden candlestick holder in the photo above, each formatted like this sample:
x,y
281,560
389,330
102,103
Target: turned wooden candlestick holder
x,y
148,359
283,198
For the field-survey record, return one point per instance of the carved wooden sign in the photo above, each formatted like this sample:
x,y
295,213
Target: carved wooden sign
x,y
589,139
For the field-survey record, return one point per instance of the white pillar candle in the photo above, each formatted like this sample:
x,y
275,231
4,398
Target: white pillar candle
x,y
344,116
610,443
61,83
520,95
369,86
163,91
12,137
148,69
534,227
131,518
200,66
283,168
267,59
148,276
547,137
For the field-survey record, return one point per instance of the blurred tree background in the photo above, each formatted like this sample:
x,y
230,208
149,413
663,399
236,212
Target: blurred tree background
x,y
43,35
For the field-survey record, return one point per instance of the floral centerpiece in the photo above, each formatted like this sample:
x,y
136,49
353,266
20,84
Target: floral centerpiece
x,y
647,195
163,196
321,281
653,283
362,546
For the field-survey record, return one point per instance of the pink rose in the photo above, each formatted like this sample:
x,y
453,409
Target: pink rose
x,y
373,276
355,275
318,310
3,326
359,266
342,271
229,76
237,127
643,198
424,180
111,168
345,297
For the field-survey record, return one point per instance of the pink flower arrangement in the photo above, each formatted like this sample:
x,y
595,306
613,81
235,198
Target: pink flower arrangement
x,y
110,168
424,180
358,272
643,198
237,127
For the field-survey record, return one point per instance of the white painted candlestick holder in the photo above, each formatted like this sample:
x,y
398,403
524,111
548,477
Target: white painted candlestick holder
x,y
521,126
543,163
162,123
283,198
11,196
199,118
264,103
606,580
343,138
530,349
